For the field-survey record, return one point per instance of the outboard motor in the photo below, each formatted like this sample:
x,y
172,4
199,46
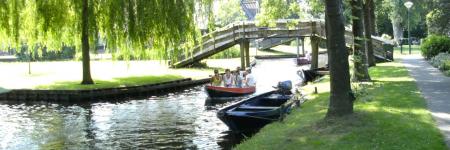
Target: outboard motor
x,y
285,87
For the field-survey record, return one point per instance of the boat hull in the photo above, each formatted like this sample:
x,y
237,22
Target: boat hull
x,y
215,91
255,112
303,61
249,121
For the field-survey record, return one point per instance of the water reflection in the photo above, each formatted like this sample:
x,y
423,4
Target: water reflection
x,y
177,120
42,126
182,120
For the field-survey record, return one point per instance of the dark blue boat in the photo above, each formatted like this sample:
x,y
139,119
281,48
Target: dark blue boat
x,y
256,112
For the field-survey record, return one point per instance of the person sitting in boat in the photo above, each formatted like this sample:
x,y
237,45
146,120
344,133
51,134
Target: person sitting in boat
x,y
250,79
216,80
228,78
238,76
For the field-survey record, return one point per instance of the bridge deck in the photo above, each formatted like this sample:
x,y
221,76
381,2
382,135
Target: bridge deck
x,y
235,33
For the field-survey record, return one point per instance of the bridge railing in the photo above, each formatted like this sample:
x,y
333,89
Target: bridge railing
x,y
249,30
237,31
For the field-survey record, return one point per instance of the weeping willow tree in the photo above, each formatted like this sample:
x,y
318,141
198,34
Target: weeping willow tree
x,y
130,27
32,24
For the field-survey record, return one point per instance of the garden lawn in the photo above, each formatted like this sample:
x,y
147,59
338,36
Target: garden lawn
x,y
415,49
115,82
51,75
390,115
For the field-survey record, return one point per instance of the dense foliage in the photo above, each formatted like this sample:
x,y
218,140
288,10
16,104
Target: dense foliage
x,y
392,17
129,27
230,11
272,10
45,55
434,44
442,61
438,19
232,52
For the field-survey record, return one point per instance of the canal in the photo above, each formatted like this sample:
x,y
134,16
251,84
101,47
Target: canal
x,y
180,120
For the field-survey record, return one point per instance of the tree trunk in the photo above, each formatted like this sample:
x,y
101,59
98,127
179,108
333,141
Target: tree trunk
x,y
398,30
87,79
372,17
314,52
368,32
341,99
359,47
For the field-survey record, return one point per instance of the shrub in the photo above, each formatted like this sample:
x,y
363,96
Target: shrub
x,y
441,61
232,52
46,55
434,44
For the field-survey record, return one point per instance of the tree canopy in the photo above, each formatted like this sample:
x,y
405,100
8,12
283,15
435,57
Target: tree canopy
x,y
229,12
129,26
438,19
272,10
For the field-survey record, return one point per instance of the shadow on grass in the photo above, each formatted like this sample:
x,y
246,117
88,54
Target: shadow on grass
x,y
397,94
394,117
374,125
368,130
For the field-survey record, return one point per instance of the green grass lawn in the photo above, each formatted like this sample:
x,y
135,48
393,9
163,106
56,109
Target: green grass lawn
x,y
55,74
115,82
415,49
390,115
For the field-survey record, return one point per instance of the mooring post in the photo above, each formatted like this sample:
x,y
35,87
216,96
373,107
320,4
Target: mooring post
x,y
314,47
247,53
242,47
401,46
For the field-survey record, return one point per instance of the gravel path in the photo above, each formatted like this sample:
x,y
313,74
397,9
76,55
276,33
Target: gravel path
x,y
435,87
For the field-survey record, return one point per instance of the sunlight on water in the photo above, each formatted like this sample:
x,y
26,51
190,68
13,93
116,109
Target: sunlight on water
x,y
172,121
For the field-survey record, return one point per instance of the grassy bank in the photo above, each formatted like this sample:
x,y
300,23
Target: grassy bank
x,y
390,115
45,75
115,82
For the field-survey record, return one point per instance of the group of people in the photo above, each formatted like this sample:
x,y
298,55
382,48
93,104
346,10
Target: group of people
x,y
238,78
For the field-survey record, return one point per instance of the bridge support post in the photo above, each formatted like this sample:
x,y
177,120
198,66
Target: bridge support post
x,y
247,53
242,47
315,52
298,48
303,46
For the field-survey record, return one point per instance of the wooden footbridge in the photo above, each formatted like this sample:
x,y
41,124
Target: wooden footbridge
x,y
242,32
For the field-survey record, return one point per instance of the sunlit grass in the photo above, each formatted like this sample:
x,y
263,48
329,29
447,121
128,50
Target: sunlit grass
x,y
415,49
15,75
116,82
391,115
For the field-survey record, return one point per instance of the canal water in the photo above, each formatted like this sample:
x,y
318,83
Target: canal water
x,y
180,120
